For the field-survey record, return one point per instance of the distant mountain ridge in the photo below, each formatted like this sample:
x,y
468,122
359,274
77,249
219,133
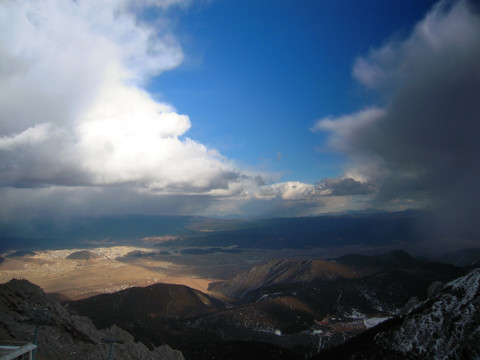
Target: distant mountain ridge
x,y
465,257
283,271
195,231
395,260
316,231
21,253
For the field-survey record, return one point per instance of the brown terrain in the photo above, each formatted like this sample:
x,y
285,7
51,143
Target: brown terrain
x,y
96,271
279,308
81,273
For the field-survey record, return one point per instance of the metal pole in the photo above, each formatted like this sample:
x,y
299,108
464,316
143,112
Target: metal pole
x,y
110,355
111,342
35,338
38,318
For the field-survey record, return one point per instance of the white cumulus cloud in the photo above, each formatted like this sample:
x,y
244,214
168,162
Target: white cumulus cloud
x,y
72,108
79,134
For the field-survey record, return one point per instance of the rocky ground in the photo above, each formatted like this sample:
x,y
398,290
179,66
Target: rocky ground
x,y
64,336
444,326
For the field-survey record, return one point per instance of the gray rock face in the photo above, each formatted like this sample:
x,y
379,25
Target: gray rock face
x,y
446,326
64,336
435,289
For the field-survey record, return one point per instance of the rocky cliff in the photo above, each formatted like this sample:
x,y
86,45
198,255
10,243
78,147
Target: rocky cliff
x,y
64,336
446,326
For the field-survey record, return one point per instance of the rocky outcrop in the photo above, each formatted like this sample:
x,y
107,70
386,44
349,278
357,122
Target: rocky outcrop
x,y
62,335
446,326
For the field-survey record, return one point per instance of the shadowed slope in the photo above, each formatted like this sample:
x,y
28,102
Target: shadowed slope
x,y
137,304
281,272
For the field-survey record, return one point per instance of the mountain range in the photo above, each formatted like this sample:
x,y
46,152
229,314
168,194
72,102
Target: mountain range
x,y
286,309
391,305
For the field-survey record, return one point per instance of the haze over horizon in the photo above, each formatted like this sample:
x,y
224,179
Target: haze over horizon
x,y
247,108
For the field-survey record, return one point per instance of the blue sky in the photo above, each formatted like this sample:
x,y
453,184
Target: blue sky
x,y
257,74
238,108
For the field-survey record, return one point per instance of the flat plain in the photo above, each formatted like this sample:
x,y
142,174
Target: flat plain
x,y
77,278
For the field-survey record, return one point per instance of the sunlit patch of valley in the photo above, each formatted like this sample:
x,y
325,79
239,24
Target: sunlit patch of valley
x,y
107,273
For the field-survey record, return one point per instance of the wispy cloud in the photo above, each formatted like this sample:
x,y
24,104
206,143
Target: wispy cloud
x,y
298,191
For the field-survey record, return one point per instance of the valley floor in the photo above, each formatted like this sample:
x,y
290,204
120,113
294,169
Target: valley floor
x,y
77,278
116,270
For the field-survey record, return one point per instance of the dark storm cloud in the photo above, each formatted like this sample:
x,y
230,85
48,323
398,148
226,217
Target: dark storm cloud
x,y
424,145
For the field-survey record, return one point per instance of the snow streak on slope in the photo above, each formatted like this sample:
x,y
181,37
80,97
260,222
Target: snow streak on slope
x,y
447,326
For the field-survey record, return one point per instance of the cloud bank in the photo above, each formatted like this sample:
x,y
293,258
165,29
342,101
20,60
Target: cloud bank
x,y
79,135
421,148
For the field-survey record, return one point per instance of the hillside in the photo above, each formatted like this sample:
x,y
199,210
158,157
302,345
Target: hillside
x,y
164,313
444,326
158,302
83,255
399,260
285,308
61,335
21,253
321,313
465,257
285,271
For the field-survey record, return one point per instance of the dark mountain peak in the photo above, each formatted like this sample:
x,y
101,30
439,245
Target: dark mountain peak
x,y
21,287
83,255
392,258
397,255
137,304
396,260
464,257
21,253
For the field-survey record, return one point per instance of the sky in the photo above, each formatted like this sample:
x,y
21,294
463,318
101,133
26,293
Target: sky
x,y
239,108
